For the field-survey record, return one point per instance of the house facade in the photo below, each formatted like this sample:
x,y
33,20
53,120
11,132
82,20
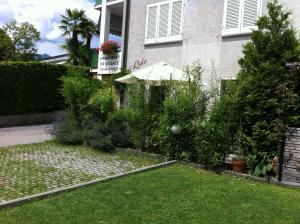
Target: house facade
x,y
181,32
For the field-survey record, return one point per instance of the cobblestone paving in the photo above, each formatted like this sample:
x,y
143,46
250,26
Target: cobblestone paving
x,y
31,169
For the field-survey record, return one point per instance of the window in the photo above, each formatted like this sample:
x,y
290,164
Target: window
x,y
164,22
240,16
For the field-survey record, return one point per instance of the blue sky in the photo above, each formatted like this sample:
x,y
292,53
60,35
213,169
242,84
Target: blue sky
x,y
45,16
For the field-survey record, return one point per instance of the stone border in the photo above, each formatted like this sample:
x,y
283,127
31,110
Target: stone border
x,y
24,200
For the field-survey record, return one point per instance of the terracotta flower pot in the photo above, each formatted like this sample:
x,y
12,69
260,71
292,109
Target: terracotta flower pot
x,y
239,166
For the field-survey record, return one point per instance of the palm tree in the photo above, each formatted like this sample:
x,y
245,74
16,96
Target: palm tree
x,y
79,31
89,29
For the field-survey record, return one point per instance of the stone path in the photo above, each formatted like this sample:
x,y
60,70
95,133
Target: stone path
x,y
30,169
24,135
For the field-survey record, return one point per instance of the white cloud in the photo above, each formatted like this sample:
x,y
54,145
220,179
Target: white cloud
x,y
45,16
51,48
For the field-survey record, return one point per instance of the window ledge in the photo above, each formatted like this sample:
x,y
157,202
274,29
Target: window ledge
x,y
224,35
162,42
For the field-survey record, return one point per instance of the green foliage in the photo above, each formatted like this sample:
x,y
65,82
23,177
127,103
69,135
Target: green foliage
x,y
90,105
212,143
68,131
118,85
76,26
78,54
24,37
260,164
101,103
98,136
267,93
119,127
30,87
7,48
78,71
141,117
77,91
184,106
215,134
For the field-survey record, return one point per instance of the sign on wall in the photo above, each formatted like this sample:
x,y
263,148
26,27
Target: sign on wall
x,y
138,64
109,64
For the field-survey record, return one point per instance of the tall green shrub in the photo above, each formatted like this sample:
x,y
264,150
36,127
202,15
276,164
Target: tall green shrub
x,y
77,91
184,106
267,92
141,116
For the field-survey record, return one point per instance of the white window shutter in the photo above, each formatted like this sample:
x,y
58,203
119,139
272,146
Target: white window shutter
x,y
176,20
164,11
232,17
251,12
151,24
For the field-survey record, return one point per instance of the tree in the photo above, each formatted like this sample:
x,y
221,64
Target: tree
x,y
267,94
7,48
89,29
24,37
79,31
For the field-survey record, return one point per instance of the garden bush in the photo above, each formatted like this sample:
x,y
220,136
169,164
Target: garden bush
x,y
68,131
77,91
215,135
101,103
119,128
142,117
32,87
184,106
90,106
98,136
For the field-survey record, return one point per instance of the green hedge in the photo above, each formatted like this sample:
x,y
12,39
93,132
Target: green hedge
x,y
32,87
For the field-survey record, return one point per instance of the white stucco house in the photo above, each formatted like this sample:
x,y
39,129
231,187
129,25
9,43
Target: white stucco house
x,y
182,31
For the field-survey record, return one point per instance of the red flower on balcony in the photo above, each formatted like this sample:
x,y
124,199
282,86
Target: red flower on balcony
x,y
110,48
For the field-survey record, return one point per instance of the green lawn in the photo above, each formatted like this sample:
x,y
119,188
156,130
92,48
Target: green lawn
x,y
177,194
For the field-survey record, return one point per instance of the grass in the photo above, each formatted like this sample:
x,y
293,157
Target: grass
x,y
35,168
177,194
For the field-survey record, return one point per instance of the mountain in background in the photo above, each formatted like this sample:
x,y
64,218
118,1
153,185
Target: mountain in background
x,y
42,56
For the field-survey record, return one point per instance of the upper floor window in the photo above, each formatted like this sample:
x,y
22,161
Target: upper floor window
x,y
240,16
164,22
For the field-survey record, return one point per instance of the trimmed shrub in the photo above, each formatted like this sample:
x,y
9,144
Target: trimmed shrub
x,y
32,87
77,71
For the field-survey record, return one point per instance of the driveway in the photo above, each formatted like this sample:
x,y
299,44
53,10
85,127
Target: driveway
x,y
36,168
25,135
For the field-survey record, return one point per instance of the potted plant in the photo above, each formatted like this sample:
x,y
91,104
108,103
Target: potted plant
x,y
239,158
110,48
239,163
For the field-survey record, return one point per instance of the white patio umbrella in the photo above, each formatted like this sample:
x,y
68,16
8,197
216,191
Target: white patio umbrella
x,y
155,74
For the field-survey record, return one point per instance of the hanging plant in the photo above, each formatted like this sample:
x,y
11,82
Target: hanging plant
x,y
110,48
